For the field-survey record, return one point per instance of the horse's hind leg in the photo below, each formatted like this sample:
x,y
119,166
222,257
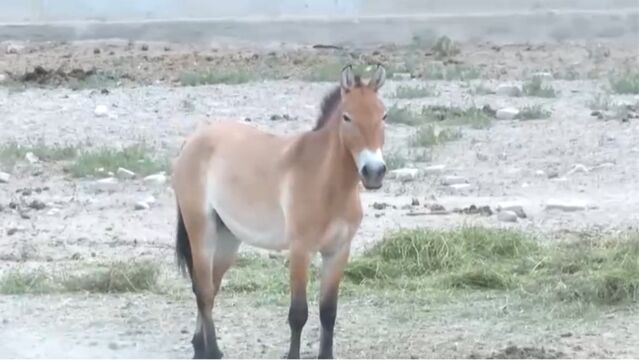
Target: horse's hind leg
x,y
333,264
224,253
202,233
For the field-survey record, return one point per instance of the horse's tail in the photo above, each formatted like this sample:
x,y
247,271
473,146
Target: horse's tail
x,y
183,247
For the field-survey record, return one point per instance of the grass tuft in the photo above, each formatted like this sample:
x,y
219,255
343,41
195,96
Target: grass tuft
x,y
412,92
12,152
536,87
136,158
430,135
403,115
452,115
196,78
533,112
626,83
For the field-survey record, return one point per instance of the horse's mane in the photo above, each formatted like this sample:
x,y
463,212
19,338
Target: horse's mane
x,y
330,102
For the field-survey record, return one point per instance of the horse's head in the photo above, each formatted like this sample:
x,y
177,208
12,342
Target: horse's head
x,y
362,124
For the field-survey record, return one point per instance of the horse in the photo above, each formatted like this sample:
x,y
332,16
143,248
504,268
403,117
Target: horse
x,y
235,183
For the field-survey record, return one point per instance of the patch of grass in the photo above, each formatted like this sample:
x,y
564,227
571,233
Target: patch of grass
x,y
330,71
13,152
589,272
218,76
403,115
414,92
136,158
394,160
536,87
626,83
450,72
431,135
445,48
115,278
452,115
601,102
533,112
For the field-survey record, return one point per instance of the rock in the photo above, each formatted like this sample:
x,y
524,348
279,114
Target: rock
x,y
11,231
149,200
507,216
540,173
579,168
459,186
157,179
4,177
508,90
543,75
434,169
404,174
517,209
454,180
507,113
101,111
141,205
125,173
414,202
402,76
106,184
379,206
37,204
31,158
3,78
565,205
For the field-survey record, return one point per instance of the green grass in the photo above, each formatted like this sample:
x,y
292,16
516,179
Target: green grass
x,y
136,158
394,160
431,135
625,83
403,115
536,87
533,112
453,115
445,48
330,71
118,277
414,92
218,76
601,102
12,152
451,72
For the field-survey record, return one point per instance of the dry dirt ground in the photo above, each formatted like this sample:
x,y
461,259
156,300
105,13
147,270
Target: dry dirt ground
x,y
570,157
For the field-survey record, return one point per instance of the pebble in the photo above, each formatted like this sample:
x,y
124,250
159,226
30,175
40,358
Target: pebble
x,y
565,205
517,209
507,216
415,202
404,174
508,90
31,158
507,113
125,173
141,205
101,111
158,179
4,177
402,76
459,186
106,184
380,205
433,169
37,204
454,180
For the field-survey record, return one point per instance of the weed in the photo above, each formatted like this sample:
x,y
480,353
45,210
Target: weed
x,y
536,87
430,135
533,112
12,152
626,83
445,48
136,158
402,115
195,78
472,116
601,102
410,92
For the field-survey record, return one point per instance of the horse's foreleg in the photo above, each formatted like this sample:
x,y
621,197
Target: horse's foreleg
x,y
333,264
298,311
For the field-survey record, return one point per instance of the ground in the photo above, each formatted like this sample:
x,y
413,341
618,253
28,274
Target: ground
x,y
571,157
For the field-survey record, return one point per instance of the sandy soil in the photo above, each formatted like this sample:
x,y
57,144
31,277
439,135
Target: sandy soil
x,y
530,163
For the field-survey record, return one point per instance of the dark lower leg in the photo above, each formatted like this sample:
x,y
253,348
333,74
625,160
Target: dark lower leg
x,y
298,312
333,264
328,313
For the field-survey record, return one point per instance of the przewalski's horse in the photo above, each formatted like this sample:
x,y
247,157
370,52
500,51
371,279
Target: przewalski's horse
x,y
235,183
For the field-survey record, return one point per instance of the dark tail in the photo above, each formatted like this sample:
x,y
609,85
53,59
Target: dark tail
x,y
183,247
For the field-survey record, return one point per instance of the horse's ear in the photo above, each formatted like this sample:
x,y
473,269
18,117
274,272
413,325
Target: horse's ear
x,y
347,78
378,79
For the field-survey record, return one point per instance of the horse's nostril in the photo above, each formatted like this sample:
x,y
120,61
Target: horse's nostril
x,y
365,171
383,171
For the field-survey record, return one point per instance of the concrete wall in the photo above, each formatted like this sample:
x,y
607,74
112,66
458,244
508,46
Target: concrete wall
x,y
357,22
20,11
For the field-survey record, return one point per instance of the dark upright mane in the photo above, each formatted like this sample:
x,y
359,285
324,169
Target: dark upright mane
x,y
330,102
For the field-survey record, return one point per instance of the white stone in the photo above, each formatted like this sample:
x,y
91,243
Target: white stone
x,y
540,173
513,207
150,200
507,216
402,76
579,168
106,184
404,174
31,158
434,169
141,205
125,173
459,186
157,179
508,90
3,78
454,180
101,111
565,205
4,177
507,113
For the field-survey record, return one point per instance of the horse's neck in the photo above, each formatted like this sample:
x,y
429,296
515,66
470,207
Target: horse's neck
x,y
335,161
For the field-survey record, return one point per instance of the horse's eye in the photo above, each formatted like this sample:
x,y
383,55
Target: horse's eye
x,y
346,117
384,117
